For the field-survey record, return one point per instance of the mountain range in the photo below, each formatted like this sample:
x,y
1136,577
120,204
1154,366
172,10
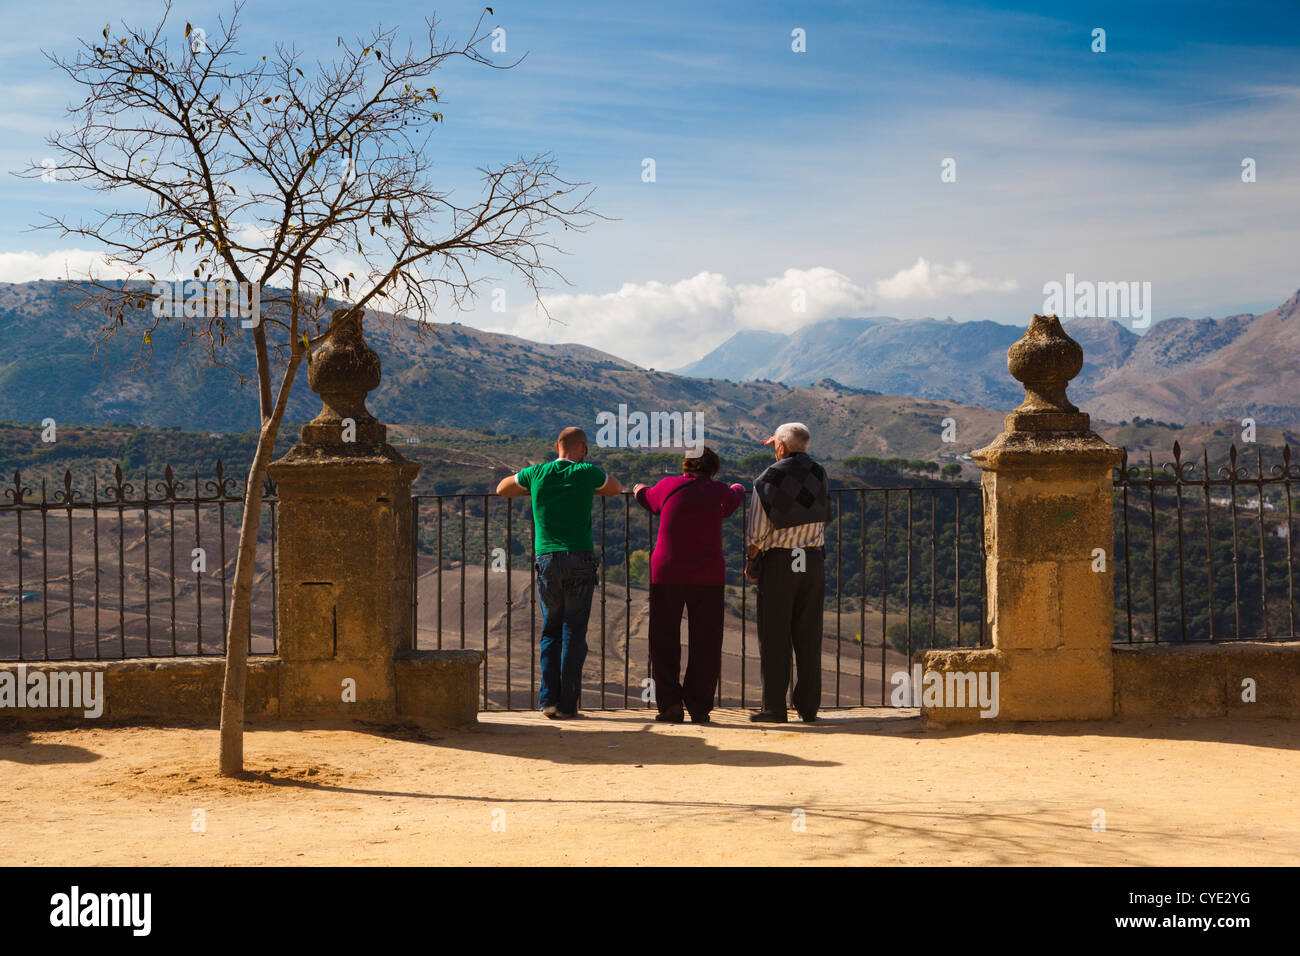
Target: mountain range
x,y
448,375
1181,370
874,387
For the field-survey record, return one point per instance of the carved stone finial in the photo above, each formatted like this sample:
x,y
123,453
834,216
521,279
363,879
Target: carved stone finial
x,y
1046,433
343,370
1044,360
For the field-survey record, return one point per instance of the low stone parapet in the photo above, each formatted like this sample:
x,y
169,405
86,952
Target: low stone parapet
x,y
1226,679
146,689
423,687
438,687
983,685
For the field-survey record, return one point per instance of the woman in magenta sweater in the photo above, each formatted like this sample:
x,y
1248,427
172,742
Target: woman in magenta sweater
x,y
687,570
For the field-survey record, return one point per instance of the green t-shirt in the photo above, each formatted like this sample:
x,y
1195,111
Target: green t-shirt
x,y
561,491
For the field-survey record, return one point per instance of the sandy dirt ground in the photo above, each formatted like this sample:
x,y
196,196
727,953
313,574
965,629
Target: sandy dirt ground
x,y
860,787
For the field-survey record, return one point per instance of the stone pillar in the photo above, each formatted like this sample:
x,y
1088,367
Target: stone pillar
x,y
1048,550
345,543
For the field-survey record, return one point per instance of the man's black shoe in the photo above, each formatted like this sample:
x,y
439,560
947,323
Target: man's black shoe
x,y
674,716
808,718
701,719
767,717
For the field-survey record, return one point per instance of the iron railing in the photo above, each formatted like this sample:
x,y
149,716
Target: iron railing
x,y
1204,552
904,564
110,571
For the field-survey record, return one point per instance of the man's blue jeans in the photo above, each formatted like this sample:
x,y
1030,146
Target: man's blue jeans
x,y
565,583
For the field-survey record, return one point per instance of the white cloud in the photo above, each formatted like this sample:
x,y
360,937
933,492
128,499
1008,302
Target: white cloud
x,y
63,263
78,263
798,297
926,280
666,325
253,234
655,324
652,323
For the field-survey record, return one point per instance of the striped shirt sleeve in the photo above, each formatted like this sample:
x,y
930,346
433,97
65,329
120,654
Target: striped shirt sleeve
x,y
764,536
757,520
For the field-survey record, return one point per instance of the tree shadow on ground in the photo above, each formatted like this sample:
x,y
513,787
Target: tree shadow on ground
x,y
1037,833
17,746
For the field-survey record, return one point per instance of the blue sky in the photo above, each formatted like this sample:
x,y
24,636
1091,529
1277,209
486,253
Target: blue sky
x,y
817,172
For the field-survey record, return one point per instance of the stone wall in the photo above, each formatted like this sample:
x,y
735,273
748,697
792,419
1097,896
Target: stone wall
x,y
183,688
438,688
1049,565
1208,680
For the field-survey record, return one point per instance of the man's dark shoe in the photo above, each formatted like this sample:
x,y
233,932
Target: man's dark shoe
x,y
808,718
700,719
672,716
767,717
561,715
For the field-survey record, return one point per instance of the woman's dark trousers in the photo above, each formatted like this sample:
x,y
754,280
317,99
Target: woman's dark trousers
x,y
703,604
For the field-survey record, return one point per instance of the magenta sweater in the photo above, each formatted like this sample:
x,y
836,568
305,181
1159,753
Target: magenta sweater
x,y
689,548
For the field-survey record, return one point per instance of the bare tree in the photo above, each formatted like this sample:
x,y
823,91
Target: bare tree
x,y
271,172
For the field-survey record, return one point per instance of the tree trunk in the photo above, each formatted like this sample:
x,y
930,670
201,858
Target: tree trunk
x,y
237,631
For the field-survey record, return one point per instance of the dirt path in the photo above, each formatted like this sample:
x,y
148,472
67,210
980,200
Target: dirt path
x,y
873,788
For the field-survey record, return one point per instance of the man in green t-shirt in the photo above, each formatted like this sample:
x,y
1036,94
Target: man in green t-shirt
x,y
561,492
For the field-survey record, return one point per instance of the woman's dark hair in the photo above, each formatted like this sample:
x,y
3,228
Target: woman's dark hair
x,y
706,465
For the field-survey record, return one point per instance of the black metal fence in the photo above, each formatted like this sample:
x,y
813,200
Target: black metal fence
x,y
111,570
904,570
1205,552
118,569
103,570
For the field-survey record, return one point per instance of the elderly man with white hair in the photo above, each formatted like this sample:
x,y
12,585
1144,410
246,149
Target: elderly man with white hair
x,y
786,536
